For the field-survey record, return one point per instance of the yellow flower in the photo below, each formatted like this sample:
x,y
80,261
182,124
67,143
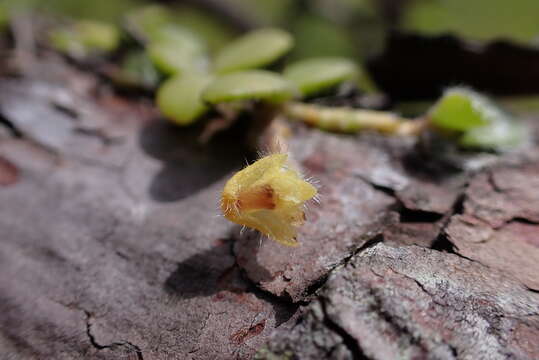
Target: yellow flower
x,y
268,196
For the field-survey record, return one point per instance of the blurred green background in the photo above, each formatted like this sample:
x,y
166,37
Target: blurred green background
x,y
358,29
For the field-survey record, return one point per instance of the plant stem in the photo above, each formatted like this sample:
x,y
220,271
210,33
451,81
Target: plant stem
x,y
350,120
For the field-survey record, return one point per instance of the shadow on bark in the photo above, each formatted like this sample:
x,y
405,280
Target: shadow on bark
x,y
187,165
214,273
205,274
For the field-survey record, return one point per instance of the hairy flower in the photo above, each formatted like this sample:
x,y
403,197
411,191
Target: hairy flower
x,y
268,196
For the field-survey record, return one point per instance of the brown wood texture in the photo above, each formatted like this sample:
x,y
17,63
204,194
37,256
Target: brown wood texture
x,y
111,243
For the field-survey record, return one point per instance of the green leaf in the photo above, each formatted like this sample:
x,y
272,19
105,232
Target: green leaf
x,y
249,85
179,98
177,58
177,35
477,122
98,35
253,50
85,37
156,23
172,48
314,75
478,19
461,109
144,21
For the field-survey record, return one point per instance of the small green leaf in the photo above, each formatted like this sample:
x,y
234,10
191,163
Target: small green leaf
x,y
179,98
85,37
249,85
461,109
144,21
174,50
67,42
176,58
314,75
156,23
177,35
253,50
477,122
98,35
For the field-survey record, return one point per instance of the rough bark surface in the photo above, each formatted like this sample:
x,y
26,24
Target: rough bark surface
x,y
112,247
415,303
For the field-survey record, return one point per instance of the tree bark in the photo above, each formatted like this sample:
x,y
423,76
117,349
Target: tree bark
x,y
111,244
